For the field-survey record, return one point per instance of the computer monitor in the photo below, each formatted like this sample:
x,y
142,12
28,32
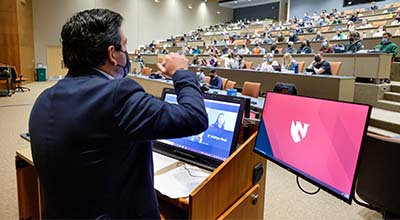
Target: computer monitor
x,y
316,139
210,148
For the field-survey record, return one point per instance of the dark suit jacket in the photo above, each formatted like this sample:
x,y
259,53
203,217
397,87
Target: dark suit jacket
x,y
91,143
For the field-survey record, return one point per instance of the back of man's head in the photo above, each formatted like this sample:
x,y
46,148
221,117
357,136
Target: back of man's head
x,y
87,35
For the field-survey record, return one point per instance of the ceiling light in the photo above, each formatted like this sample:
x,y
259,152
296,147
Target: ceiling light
x,y
190,6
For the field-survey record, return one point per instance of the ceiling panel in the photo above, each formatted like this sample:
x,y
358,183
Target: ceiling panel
x,y
243,3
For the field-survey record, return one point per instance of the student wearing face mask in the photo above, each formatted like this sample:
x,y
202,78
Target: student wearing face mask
x,y
215,80
91,133
293,37
339,35
290,49
280,37
268,63
387,46
336,21
274,50
305,47
326,47
320,66
318,36
353,45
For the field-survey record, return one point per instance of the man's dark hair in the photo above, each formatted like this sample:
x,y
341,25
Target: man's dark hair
x,y
87,35
388,34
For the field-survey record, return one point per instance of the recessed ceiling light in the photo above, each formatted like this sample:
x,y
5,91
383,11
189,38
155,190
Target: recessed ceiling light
x,y
190,6
218,12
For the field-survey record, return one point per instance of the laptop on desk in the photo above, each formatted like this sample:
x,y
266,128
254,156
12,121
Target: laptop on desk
x,y
210,148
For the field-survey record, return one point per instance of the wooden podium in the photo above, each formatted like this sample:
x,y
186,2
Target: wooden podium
x,y
228,193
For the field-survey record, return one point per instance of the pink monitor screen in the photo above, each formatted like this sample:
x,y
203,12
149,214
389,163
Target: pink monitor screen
x,y
318,139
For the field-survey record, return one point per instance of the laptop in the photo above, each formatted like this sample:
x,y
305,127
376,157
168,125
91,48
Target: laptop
x,y
210,148
310,70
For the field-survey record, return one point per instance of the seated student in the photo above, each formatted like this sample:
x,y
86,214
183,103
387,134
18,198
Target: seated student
x,y
326,47
354,44
213,60
256,50
373,6
290,49
397,16
350,26
387,46
231,62
318,37
293,37
280,37
320,65
305,47
244,50
288,62
201,78
339,35
273,49
196,60
231,41
215,80
364,24
380,32
241,62
269,62
336,20
354,16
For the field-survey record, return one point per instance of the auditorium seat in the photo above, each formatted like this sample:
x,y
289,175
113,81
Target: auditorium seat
x,y
230,85
224,81
208,79
301,38
248,65
301,66
378,23
146,71
251,89
335,67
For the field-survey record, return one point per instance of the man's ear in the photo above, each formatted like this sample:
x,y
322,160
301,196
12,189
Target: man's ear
x,y
111,55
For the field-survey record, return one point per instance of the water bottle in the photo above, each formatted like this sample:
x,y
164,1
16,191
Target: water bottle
x,y
296,68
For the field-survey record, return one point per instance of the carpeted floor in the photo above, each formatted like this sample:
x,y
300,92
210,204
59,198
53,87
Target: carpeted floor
x,y
283,199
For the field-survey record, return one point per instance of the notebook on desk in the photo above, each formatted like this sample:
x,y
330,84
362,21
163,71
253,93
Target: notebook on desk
x,y
210,148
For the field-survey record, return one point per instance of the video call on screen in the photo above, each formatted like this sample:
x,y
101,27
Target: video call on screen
x,y
216,141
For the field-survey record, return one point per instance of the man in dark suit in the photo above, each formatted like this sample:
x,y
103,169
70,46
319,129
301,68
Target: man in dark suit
x,y
91,133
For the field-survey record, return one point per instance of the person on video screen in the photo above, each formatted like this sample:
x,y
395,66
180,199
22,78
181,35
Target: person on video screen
x,y
216,135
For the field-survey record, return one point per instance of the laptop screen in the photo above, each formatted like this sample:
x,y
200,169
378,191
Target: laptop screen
x,y
214,145
319,140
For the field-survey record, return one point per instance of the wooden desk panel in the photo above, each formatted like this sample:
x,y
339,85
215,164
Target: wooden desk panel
x,y
328,87
374,65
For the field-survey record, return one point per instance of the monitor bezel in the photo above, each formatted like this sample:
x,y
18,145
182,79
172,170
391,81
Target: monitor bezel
x,y
201,160
305,176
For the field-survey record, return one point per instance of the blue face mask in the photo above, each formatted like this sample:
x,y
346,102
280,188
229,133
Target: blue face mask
x,y
384,40
127,66
270,60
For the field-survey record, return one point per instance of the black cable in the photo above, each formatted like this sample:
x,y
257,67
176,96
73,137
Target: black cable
x,y
182,164
301,188
366,205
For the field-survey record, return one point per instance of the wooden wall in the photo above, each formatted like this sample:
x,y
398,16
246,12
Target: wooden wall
x,y
9,41
16,36
26,43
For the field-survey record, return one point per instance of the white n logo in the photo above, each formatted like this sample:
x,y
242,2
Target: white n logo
x,y
297,128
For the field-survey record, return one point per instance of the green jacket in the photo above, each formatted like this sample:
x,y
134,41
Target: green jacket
x,y
353,47
389,47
